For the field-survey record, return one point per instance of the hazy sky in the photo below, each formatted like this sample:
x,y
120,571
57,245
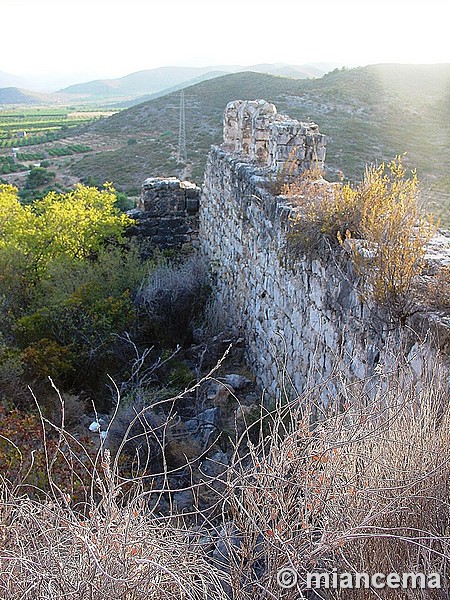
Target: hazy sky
x,y
113,38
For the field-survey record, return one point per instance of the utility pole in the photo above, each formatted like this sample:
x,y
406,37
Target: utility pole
x,y
182,153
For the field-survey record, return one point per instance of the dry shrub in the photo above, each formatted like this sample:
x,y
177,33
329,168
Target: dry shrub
x,y
439,289
49,551
323,209
172,295
395,232
384,211
364,488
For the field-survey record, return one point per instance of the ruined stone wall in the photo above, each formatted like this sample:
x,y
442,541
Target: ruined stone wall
x,y
167,213
303,320
255,130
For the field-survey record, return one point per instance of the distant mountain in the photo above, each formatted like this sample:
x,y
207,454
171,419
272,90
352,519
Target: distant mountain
x,y
283,70
369,114
15,95
164,92
153,81
139,83
142,85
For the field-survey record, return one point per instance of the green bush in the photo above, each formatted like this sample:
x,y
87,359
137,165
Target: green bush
x,y
38,177
83,306
66,284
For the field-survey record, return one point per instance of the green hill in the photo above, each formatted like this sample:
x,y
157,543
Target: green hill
x,y
369,114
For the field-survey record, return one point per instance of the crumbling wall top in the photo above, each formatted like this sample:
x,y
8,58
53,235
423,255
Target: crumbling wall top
x,y
255,130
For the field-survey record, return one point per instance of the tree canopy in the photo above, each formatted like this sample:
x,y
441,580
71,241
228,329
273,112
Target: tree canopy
x,y
75,224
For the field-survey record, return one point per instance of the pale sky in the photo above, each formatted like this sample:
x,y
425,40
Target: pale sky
x,y
112,38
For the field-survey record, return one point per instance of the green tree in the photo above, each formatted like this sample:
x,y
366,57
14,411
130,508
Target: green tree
x,y
65,284
38,177
75,224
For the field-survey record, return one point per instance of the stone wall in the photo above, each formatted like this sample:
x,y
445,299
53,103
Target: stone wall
x,y
253,128
304,320
167,213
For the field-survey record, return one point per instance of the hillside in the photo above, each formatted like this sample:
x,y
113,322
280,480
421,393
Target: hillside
x,y
15,95
369,114
135,84
152,81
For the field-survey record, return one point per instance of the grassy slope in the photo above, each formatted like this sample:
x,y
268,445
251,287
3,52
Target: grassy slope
x,y
369,114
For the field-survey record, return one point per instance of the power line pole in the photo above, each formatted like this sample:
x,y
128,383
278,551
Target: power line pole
x,y
182,153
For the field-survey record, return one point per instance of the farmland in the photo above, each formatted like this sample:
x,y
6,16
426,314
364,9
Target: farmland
x,y
29,127
43,136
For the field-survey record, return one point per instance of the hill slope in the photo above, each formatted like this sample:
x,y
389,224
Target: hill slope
x,y
135,84
15,95
369,114
152,81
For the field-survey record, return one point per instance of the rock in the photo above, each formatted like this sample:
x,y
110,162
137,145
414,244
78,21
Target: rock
x,y
215,465
238,382
183,501
217,394
204,426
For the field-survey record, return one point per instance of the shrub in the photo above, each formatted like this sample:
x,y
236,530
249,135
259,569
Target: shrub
x,y
80,309
384,211
172,295
75,224
395,232
363,489
123,202
39,177
35,457
360,490
47,358
322,209
437,289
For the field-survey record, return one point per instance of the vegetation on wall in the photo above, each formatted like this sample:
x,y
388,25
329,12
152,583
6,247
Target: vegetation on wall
x,y
380,220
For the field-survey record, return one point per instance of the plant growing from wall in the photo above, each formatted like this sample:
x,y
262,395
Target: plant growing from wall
x,y
395,232
323,209
382,222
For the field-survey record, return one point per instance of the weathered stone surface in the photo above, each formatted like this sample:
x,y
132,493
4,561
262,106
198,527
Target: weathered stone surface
x,y
306,319
254,129
167,212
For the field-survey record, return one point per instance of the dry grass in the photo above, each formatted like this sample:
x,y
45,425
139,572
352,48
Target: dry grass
x,y
364,488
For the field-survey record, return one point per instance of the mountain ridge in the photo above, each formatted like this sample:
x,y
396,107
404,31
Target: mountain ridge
x,y
369,115
151,81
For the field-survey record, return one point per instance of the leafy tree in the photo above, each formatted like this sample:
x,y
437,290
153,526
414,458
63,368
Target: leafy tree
x,y
75,224
65,285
